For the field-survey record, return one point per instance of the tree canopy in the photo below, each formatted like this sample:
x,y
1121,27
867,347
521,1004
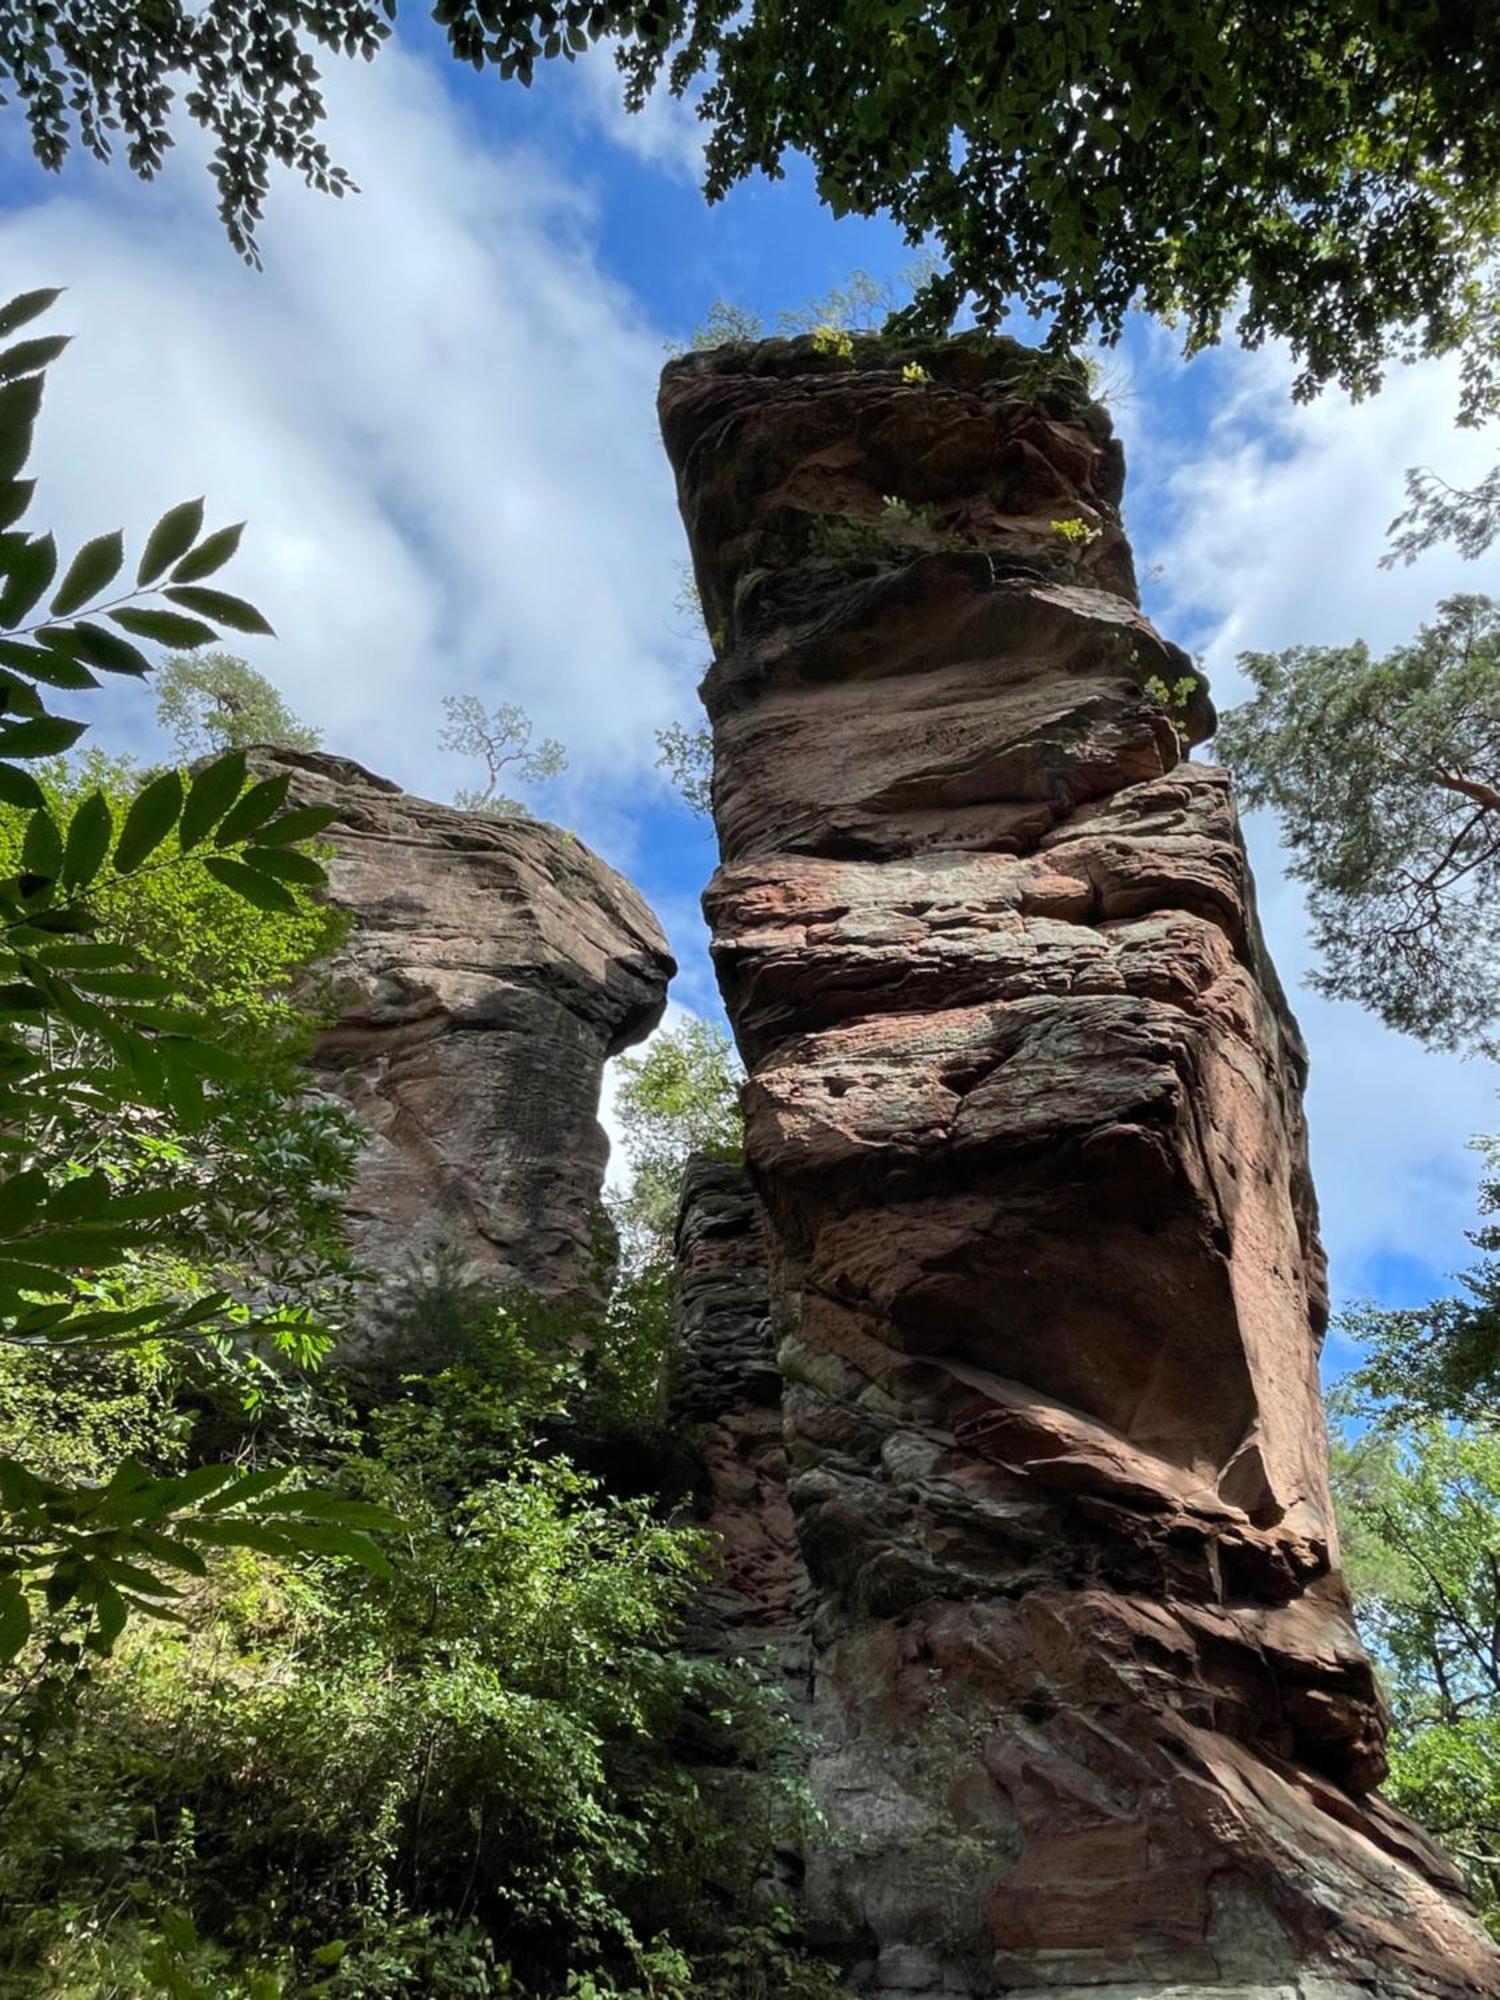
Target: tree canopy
x,y
216,701
681,1096
1421,1518
1384,775
1328,173
1438,1361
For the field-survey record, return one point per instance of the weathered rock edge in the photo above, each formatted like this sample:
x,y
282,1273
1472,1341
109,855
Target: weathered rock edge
x,y
490,968
1090,1714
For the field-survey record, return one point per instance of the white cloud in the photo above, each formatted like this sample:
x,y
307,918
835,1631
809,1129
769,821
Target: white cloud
x,y
666,132
435,409
1271,536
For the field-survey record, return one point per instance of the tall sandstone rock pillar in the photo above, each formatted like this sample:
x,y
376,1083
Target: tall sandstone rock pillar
x,y
1089,1711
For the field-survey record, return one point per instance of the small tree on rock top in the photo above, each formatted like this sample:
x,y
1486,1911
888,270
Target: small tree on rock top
x,y
500,738
211,702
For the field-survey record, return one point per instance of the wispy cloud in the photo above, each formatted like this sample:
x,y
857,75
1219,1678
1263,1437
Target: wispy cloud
x,y
436,410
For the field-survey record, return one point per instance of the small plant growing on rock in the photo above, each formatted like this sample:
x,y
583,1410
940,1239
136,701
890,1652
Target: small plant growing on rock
x,y
898,513
1075,532
1172,698
836,341
916,374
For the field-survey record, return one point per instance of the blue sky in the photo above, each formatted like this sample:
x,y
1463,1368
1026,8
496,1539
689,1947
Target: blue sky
x,y
435,407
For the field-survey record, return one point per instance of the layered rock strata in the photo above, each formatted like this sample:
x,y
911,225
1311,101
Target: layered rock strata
x,y
1090,1714
724,1386
724,1400
490,968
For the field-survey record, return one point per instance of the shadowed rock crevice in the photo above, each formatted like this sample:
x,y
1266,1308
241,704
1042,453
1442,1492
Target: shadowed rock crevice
x,y
1024,1110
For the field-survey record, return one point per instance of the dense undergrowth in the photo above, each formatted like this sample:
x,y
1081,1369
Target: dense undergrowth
x,y
462,1778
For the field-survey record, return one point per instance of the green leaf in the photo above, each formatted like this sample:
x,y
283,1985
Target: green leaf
x,y
188,1489
126,985
221,607
109,1618
15,498
15,1618
319,1506
18,697
260,890
253,810
167,628
68,956
96,565
302,823
203,1058
25,306
213,791
51,660
19,403
211,553
152,816
19,788
170,540
42,845
21,1196
23,1277
89,834
347,1544
30,566
106,650
48,736
287,865
28,356
92,1244
249,1488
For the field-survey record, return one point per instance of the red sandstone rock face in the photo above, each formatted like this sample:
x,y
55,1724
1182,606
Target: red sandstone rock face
x,y
491,967
1025,1110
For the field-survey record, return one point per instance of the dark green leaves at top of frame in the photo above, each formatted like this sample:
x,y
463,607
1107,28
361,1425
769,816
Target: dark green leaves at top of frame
x,y
43,736
28,564
261,890
253,809
170,540
42,846
165,628
104,649
19,403
89,834
95,566
19,788
211,794
211,554
153,813
27,357
26,306
301,823
15,498
220,606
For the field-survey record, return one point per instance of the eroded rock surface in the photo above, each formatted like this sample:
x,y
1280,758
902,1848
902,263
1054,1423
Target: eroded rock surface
x,y
491,967
1090,1713
725,1386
